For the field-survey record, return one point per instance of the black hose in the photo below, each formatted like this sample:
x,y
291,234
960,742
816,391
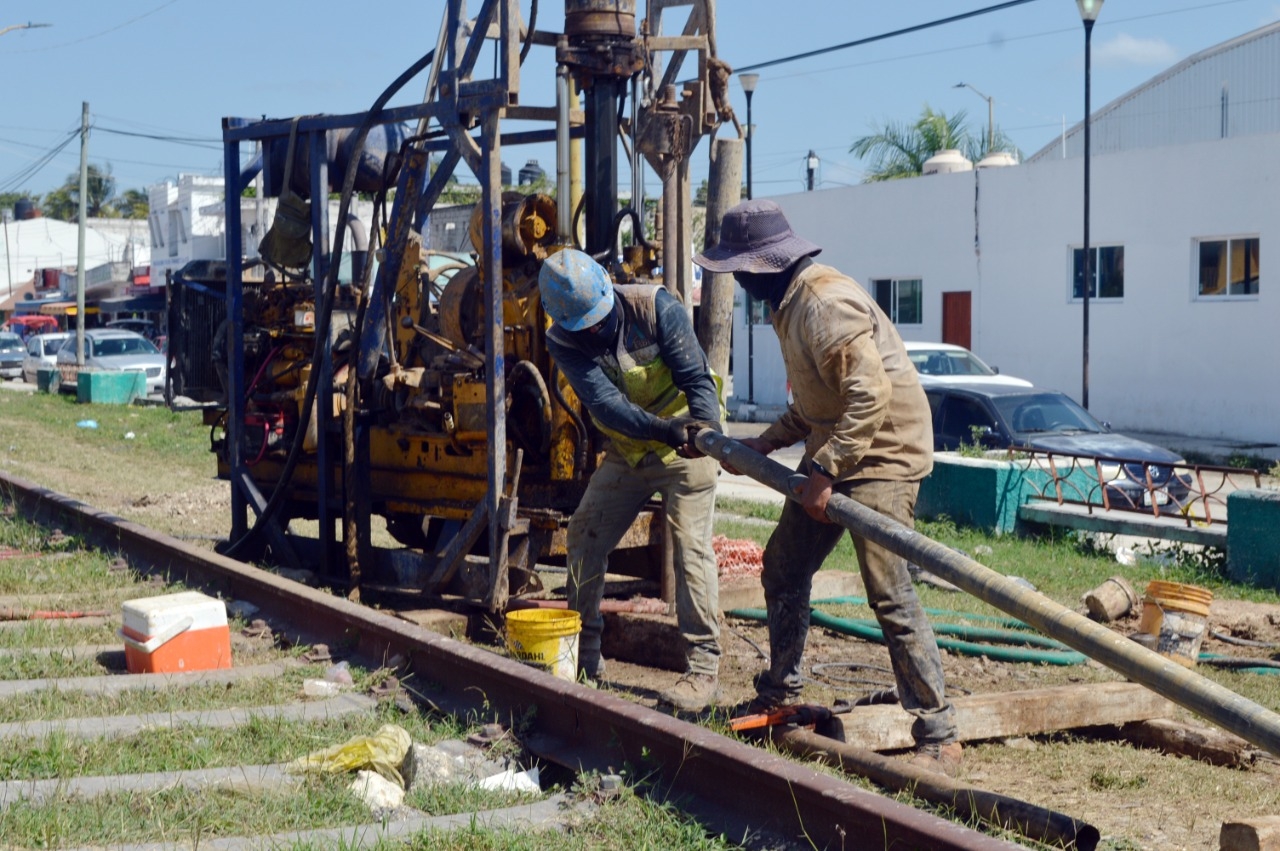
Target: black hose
x,y
525,367
528,39
580,451
326,308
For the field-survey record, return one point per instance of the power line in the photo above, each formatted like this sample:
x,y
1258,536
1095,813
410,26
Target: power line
x,y
24,174
193,141
882,36
120,26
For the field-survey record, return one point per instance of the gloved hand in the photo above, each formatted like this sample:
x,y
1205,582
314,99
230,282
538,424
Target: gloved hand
x,y
673,431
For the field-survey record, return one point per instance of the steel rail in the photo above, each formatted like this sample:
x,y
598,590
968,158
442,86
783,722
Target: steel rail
x,y
728,785
1248,720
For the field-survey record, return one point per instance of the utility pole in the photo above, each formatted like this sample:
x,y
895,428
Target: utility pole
x,y
811,166
84,192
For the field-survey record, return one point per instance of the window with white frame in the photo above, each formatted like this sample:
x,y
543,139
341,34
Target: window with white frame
x,y
902,300
1106,275
1228,267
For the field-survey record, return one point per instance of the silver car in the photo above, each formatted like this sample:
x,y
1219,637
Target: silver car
x,y
11,354
112,349
42,353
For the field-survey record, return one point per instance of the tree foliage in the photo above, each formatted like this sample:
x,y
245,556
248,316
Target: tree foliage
x,y
63,202
899,149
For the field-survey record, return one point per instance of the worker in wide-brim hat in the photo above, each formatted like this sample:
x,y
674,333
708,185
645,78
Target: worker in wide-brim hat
x,y
867,427
631,356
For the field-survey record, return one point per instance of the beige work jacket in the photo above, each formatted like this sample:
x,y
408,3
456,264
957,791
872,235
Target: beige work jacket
x,y
858,402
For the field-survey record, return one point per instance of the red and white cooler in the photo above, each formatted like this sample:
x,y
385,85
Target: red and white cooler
x,y
176,633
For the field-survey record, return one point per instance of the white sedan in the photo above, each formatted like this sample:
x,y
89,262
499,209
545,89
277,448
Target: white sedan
x,y
943,363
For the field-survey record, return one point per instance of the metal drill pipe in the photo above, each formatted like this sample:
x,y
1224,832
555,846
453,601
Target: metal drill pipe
x,y
1248,720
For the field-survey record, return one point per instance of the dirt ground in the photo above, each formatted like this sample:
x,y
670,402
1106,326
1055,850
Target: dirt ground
x,y
1138,798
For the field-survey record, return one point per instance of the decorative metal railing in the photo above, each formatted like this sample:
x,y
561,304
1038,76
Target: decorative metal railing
x,y
1196,494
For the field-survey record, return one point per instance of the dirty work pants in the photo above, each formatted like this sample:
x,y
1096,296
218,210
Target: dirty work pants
x,y
796,550
616,493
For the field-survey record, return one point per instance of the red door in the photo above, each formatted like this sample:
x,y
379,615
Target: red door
x,y
956,318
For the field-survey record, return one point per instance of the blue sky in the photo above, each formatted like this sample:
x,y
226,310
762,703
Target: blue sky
x,y
174,68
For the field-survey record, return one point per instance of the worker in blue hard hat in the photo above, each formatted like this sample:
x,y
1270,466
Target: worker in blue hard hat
x,y
631,356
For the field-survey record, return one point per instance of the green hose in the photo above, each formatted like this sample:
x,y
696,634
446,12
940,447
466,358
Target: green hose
x,y
1010,623
1056,654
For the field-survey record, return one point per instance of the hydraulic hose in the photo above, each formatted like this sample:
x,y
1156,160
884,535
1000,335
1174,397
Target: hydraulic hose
x,y
326,308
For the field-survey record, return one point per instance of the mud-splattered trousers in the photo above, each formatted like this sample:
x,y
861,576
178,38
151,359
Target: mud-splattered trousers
x,y
797,549
614,496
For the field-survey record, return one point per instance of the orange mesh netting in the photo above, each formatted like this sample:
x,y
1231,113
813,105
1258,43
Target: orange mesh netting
x,y
737,557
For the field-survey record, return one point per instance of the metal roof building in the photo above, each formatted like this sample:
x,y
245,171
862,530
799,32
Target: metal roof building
x,y
1224,92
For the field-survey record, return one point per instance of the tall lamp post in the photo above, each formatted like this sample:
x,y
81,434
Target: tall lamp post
x,y
748,82
991,112
1089,10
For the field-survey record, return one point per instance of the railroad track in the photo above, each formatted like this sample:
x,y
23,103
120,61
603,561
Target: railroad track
x,y
729,786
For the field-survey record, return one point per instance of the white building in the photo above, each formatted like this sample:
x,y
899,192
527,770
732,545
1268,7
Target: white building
x,y
1183,188
188,222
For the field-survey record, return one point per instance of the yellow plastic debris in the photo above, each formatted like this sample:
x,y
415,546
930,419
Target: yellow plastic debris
x,y
382,752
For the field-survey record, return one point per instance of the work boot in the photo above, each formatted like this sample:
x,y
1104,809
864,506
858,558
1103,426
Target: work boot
x,y
939,758
591,671
769,701
692,693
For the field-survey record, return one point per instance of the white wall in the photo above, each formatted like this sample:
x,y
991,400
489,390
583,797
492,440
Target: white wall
x,y
1161,359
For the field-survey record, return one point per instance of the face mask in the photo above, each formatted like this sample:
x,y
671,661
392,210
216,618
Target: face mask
x,y
601,336
763,286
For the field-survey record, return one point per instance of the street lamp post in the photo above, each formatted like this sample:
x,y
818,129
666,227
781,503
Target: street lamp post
x,y
811,167
1089,10
991,113
748,82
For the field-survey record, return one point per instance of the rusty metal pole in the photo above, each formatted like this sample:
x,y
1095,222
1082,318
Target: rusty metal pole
x,y
1052,828
1247,719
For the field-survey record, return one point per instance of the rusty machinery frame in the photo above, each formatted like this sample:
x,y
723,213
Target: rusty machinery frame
x,y
603,51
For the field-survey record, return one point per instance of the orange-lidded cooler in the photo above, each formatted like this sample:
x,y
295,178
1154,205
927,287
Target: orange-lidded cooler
x,y
176,633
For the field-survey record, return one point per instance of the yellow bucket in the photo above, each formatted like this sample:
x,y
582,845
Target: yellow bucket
x,y
1177,615
545,638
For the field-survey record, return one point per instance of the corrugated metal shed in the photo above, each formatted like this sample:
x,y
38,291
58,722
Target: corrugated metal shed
x,y
1226,91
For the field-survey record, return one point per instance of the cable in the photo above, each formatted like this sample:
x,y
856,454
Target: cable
x,y
326,307
24,174
133,20
195,142
882,36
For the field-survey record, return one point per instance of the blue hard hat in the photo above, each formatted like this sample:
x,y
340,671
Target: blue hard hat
x,y
576,290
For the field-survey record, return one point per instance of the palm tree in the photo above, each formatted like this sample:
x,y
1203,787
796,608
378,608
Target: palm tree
x,y
64,202
133,204
899,150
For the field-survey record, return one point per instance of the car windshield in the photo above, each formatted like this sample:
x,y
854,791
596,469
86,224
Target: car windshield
x,y
945,362
11,343
1040,412
113,346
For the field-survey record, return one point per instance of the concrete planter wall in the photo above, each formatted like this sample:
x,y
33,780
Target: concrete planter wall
x,y
979,492
110,388
1253,537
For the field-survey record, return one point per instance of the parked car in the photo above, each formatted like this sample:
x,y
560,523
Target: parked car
x,y
112,349
945,363
42,353
1001,416
12,351
145,327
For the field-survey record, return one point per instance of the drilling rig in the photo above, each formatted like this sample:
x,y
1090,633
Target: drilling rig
x,y
432,404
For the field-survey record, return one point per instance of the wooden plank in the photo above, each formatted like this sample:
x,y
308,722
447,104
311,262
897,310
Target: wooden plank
x,y
1207,744
1015,713
1259,834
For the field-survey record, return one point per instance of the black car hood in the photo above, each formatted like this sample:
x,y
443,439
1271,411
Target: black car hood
x,y
1100,445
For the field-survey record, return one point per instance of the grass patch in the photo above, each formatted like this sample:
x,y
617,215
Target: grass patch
x,y
627,821
53,705
261,741
178,815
